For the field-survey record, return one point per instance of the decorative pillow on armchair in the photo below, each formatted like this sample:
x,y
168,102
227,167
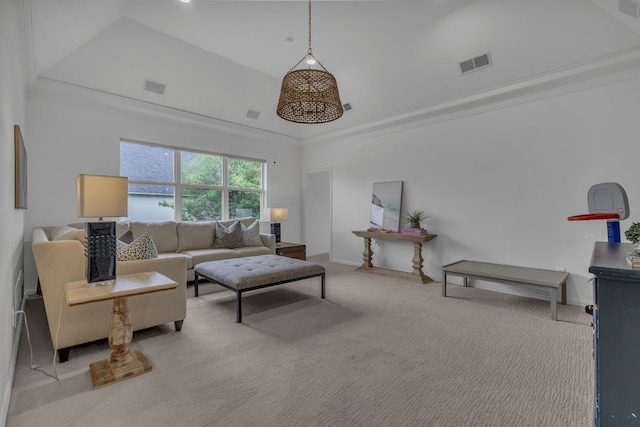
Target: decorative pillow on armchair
x,y
141,248
251,235
228,237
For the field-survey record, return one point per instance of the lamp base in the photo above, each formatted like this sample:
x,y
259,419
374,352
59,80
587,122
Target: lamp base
x,y
275,229
101,251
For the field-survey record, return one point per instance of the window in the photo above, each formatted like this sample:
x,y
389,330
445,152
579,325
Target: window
x,y
172,184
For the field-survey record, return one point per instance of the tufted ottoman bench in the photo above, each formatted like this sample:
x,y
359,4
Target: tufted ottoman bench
x,y
256,272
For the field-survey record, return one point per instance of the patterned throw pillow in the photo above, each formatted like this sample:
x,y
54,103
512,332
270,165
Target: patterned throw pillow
x,y
141,248
251,235
126,237
228,237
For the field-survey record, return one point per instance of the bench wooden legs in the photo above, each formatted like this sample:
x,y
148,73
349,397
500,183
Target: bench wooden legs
x,y
553,296
554,300
444,283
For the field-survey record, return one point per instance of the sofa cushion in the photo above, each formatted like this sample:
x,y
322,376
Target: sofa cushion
x,y
121,227
228,237
194,235
202,255
164,234
251,235
253,251
66,233
188,259
141,248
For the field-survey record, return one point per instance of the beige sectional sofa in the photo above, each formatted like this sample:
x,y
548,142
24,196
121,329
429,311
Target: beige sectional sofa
x,y
60,258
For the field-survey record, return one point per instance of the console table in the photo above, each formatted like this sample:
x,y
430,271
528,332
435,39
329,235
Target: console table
x,y
123,363
417,260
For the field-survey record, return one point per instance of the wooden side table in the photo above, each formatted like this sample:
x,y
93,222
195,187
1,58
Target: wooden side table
x,y
122,364
292,250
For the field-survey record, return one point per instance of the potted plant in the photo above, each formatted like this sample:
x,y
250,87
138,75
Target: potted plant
x,y
416,216
633,233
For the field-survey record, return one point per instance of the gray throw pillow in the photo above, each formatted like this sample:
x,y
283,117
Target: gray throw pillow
x,y
251,235
228,237
126,237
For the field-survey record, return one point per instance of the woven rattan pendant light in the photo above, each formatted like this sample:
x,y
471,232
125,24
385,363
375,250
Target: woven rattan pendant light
x,y
309,95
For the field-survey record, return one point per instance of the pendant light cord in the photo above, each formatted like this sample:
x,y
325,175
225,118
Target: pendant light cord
x,y
310,52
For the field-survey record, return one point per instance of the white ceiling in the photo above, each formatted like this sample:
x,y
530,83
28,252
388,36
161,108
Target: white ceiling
x,y
221,58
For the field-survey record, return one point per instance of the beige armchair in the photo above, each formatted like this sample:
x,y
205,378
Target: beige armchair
x,y
59,256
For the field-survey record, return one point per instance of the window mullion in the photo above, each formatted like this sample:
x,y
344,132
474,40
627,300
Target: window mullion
x,y
177,197
225,189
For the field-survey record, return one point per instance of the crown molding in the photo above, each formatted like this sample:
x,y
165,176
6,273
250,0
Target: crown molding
x,y
606,70
76,96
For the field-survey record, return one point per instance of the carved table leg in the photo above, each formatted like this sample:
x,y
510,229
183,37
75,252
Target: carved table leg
x,y
367,255
120,332
122,364
417,259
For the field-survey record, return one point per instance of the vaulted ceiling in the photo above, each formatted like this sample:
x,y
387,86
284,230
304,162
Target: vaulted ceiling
x,y
220,59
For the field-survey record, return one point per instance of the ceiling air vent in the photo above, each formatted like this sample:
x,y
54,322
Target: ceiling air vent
x,y
154,87
253,114
630,7
473,64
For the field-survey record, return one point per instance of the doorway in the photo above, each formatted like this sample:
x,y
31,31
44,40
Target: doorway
x,y
317,211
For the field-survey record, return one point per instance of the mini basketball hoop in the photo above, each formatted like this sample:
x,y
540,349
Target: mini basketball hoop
x,y
607,201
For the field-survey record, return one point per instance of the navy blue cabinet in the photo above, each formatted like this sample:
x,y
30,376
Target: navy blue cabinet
x,y
616,336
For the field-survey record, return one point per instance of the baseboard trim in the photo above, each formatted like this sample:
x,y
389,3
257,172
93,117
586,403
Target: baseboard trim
x,y
6,395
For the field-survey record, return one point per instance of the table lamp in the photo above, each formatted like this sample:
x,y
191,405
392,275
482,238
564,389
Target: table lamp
x,y
275,216
101,196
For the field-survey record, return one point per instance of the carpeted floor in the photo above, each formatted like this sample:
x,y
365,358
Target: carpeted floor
x,y
376,352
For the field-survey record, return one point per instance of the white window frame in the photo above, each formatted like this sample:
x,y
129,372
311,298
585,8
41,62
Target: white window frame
x,y
178,185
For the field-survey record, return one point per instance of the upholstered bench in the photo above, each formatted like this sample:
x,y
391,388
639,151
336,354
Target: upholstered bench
x,y
255,272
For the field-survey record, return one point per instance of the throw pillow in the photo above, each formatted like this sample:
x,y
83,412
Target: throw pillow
x,y
141,248
126,237
228,237
251,235
68,233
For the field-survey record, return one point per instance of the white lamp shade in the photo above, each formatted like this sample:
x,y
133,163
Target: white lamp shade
x,y
99,196
278,214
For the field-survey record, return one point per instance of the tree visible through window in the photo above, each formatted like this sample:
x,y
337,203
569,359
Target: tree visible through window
x,y
210,186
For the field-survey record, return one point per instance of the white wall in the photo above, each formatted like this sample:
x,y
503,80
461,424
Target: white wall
x,y
75,131
498,185
317,212
12,112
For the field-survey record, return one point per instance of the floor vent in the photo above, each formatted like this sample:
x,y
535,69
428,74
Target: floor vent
x,y
472,64
154,87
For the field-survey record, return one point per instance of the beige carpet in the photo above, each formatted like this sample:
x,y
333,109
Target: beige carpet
x,y
376,352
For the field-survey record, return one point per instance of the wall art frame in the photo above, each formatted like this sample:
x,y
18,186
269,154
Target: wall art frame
x,y
20,169
386,202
